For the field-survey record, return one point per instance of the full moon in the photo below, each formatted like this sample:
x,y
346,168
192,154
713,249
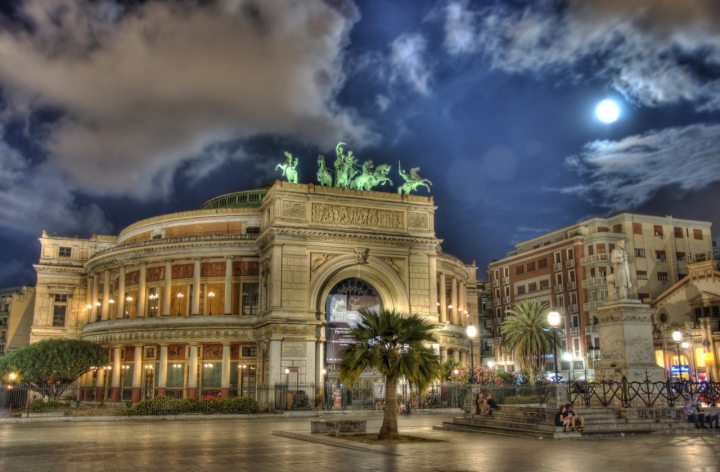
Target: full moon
x,y
607,111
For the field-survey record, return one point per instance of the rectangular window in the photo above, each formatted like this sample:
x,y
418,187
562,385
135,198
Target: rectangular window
x,y
658,230
531,266
571,275
680,256
590,251
521,289
558,258
564,365
617,228
715,311
558,279
542,263
643,296
249,352
250,299
519,270
59,315
579,365
678,232
637,228
660,255
544,284
641,275
560,301
532,287
61,298
639,252
507,291
697,234
253,230
602,229
662,276
67,251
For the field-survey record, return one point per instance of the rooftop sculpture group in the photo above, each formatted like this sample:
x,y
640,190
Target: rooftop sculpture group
x,y
348,174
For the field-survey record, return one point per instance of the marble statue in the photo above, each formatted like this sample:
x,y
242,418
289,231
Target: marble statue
x,y
324,174
412,180
345,167
289,168
371,178
619,283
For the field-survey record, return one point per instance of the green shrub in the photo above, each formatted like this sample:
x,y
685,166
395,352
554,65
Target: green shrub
x,y
39,406
163,405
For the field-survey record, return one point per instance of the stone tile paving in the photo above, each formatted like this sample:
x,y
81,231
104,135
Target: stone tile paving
x,y
248,445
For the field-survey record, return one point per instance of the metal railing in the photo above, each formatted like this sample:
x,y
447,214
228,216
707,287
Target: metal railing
x,y
643,393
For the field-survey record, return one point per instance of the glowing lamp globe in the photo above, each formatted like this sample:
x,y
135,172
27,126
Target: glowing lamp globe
x,y
607,111
471,331
554,319
677,336
567,357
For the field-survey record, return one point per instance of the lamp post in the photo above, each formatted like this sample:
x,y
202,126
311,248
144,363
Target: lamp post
x,y
687,346
491,364
554,320
677,337
324,374
242,374
567,357
471,332
179,297
211,295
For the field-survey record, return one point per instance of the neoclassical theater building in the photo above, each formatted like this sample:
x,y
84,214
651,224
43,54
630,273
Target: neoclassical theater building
x,y
255,288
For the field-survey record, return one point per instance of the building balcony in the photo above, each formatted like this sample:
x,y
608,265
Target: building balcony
x,y
498,340
587,283
575,330
506,300
573,308
559,309
570,263
571,285
496,302
496,282
592,329
557,267
592,306
558,289
506,280
595,259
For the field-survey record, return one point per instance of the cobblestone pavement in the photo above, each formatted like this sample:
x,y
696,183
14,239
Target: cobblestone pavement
x,y
248,445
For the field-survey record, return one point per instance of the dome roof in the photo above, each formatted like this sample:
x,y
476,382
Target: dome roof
x,y
245,198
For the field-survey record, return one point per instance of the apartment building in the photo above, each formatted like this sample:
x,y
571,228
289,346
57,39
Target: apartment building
x,y
567,269
16,315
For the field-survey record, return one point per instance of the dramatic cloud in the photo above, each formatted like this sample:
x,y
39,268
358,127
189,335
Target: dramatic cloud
x,y
143,90
627,173
654,52
407,63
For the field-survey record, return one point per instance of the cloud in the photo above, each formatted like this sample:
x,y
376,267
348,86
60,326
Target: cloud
x,y
36,198
144,89
626,173
15,272
407,63
653,52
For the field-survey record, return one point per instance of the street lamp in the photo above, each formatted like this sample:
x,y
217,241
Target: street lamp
x,y
242,374
567,357
491,364
688,347
211,295
179,297
471,332
554,320
677,337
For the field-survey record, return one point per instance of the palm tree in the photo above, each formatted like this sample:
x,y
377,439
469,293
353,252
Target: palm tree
x,y
527,335
393,345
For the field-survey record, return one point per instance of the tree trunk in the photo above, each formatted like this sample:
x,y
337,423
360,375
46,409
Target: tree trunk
x,y
389,429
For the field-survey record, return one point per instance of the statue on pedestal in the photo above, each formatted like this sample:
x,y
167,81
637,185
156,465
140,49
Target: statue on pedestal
x,y
289,168
619,283
324,174
412,180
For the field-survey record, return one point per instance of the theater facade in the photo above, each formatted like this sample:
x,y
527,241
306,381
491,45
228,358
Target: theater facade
x,y
256,288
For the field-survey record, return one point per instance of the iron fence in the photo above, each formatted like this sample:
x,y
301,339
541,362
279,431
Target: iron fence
x,y
643,393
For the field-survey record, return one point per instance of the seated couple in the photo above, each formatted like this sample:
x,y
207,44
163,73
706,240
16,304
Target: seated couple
x,y
485,404
566,417
698,416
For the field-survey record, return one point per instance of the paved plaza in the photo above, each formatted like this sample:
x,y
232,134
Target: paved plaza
x,y
248,445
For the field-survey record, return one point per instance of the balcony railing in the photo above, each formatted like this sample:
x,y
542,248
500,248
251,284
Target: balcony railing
x,y
594,281
571,285
496,302
591,306
558,288
506,300
557,267
592,329
573,308
496,282
498,340
575,330
559,309
594,259
506,280
570,263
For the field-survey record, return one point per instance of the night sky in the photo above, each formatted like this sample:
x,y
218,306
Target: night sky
x,y
115,111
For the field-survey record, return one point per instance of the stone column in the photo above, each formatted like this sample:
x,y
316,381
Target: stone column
x,y
463,357
167,292
192,372
228,284
463,304
95,288
456,355
106,295
88,299
319,363
711,363
162,370
225,372
454,301
121,294
310,365
443,299
195,310
142,296
274,368
432,278
100,384
443,354
137,374
117,367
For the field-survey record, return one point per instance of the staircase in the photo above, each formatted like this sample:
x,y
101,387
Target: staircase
x,y
538,422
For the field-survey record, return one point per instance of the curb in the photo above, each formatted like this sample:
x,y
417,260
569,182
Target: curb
x,y
333,442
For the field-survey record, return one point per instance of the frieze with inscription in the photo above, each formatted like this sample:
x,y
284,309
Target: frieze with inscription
x,y
347,215
212,269
176,352
155,273
212,351
183,271
132,278
248,268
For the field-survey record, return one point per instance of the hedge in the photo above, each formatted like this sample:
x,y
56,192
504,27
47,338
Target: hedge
x,y
163,405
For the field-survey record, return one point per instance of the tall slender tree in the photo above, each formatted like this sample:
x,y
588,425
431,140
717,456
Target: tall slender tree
x,y
396,346
526,333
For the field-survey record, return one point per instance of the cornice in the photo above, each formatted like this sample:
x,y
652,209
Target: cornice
x,y
383,239
189,214
55,268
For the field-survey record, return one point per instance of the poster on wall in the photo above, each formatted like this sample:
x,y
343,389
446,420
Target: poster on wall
x,y
342,316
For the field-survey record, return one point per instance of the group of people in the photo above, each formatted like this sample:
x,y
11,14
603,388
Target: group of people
x,y
567,418
698,416
485,404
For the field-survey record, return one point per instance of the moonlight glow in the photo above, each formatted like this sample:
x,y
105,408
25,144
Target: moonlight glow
x,y
607,111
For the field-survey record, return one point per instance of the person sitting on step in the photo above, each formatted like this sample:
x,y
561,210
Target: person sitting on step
x,y
491,404
689,415
480,402
577,423
709,418
561,420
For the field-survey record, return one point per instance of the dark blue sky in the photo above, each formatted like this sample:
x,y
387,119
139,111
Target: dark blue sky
x,y
111,112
